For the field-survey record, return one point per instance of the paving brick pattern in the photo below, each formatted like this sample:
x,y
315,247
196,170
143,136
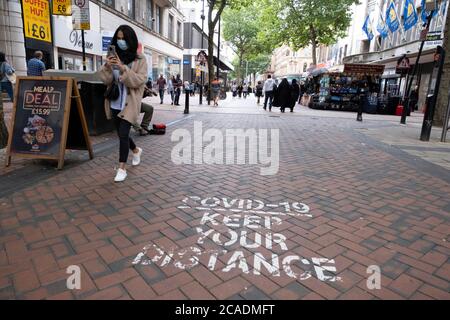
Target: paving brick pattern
x,y
370,207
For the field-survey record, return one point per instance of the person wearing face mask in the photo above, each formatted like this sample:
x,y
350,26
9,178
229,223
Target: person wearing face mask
x,y
128,71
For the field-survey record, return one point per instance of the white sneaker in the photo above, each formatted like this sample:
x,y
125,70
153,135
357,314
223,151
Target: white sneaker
x,y
137,157
121,175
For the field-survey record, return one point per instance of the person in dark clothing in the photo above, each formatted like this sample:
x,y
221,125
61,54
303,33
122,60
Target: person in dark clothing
x,y
295,93
177,86
302,92
240,89
259,91
284,94
413,99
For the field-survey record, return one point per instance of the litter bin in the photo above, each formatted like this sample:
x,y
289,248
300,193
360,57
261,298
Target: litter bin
x,y
92,97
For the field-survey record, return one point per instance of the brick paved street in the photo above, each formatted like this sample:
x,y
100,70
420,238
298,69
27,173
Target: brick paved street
x,y
341,201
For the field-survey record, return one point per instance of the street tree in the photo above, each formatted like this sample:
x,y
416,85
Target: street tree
x,y
303,23
215,10
241,27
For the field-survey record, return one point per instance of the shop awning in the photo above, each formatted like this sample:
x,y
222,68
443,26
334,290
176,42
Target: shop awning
x,y
222,65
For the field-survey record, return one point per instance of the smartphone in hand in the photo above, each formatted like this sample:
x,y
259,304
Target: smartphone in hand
x,y
111,51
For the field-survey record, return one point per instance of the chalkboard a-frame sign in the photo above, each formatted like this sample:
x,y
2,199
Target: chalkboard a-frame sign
x,y
48,118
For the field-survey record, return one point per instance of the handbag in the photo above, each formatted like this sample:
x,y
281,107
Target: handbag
x,y
12,77
112,92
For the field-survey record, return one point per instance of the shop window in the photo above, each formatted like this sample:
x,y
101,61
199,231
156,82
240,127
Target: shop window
x,y
170,27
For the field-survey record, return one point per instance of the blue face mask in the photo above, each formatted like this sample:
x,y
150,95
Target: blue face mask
x,y
122,44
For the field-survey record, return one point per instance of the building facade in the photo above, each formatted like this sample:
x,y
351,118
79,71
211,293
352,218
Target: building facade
x,y
158,25
287,62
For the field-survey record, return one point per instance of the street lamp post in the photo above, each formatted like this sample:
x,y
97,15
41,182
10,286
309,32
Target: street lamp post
x,y
218,53
202,79
405,100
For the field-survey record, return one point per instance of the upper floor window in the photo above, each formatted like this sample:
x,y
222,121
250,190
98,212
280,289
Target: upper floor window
x,y
170,27
179,32
109,3
158,28
130,8
149,14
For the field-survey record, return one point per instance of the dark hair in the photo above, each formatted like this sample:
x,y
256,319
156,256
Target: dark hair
x,y
130,37
294,81
269,76
2,57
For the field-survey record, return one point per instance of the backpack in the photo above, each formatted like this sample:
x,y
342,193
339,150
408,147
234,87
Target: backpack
x,y
158,128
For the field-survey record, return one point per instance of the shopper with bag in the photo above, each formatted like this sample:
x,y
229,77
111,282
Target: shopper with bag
x,y
125,74
7,77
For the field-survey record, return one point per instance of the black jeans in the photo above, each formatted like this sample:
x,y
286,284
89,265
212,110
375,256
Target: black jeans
x,y
177,96
268,96
123,130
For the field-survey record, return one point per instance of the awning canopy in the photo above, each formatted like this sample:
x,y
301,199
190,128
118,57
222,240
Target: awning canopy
x,y
222,65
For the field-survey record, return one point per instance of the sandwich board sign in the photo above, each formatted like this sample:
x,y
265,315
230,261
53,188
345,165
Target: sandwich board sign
x,y
48,118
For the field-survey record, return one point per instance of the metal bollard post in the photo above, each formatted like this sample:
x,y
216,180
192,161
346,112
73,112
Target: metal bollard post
x,y
360,109
186,103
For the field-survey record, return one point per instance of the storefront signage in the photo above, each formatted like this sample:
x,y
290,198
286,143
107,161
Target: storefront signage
x,y
176,61
80,15
369,69
434,38
186,62
36,20
62,7
41,117
106,39
71,39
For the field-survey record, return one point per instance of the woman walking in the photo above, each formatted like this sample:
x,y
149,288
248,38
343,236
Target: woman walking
x,y
295,93
6,72
215,86
284,95
126,72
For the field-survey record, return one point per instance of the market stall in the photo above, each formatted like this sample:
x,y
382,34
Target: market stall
x,y
344,90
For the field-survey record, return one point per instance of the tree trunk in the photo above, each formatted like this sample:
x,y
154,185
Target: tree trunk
x,y
442,99
313,44
3,129
240,68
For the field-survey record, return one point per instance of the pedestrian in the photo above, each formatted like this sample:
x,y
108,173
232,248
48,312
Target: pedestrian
x,y
268,89
215,86
240,88
7,77
177,85
125,75
245,90
171,89
35,66
192,89
161,83
284,94
234,89
295,93
259,91
413,99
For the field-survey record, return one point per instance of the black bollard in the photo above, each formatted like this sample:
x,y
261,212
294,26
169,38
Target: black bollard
x,y
360,109
186,103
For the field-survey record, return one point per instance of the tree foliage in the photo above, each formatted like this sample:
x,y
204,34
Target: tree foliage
x,y
241,27
303,23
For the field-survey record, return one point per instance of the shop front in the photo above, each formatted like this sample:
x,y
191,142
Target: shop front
x,y
68,44
344,90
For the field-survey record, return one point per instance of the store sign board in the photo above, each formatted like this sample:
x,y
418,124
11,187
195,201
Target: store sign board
x,y
41,117
434,38
403,65
71,39
36,20
62,7
371,69
80,15
106,39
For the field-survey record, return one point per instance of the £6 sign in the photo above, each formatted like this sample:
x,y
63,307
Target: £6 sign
x,y
36,20
62,7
